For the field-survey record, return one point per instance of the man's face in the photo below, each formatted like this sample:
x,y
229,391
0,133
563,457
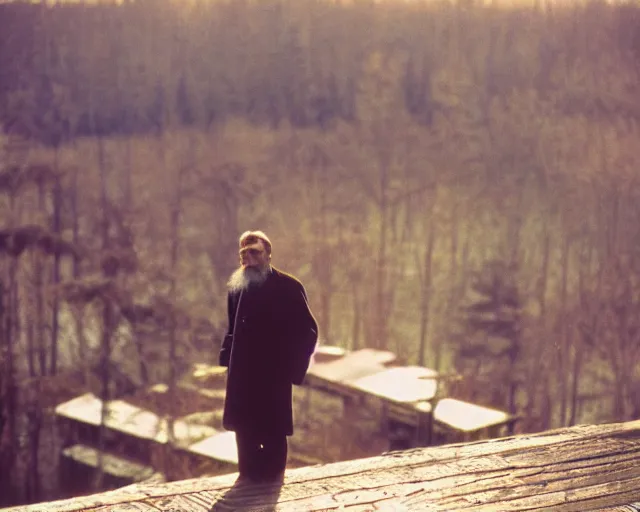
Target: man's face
x,y
253,253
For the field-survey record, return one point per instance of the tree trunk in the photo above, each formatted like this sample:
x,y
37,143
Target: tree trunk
x,y
4,342
105,381
175,220
464,267
175,248
325,264
453,277
107,320
575,381
379,338
34,426
357,317
128,181
78,317
55,278
563,363
577,345
142,363
12,399
31,361
40,304
544,274
515,224
513,390
539,367
4,384
546,407
426,279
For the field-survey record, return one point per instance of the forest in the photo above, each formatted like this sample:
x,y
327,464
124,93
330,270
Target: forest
x,y
456,182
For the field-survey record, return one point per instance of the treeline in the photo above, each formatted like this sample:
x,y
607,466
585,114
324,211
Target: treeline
x,y
74,69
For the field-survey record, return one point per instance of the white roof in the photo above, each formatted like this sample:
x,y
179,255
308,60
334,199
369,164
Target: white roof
x,y
403,384
327,353
466,416
130,419
353,365
221,446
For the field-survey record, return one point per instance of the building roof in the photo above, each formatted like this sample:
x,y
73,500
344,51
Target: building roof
x,y
220,446
467,417
132,420
405,384
352,366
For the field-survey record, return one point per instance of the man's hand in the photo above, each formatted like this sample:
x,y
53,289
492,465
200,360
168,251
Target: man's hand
x,y
225,351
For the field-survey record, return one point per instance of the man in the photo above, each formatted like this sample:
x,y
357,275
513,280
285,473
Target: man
x,y
268,346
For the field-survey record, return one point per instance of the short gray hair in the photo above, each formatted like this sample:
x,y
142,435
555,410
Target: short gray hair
x,y
258,235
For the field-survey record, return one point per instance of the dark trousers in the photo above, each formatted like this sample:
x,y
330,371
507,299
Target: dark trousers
x,y
261,456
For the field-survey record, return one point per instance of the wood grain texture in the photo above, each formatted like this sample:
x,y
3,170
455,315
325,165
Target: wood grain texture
x,y
584,468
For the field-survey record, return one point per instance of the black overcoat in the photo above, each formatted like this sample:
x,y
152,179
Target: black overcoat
x,y
267,348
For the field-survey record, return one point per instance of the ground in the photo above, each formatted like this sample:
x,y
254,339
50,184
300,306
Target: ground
x,y
584,468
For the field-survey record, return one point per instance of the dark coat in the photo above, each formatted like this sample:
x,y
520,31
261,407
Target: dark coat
x,y
271,337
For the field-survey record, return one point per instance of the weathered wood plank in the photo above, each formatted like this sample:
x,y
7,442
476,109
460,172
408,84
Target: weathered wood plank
x,y
564,500
631,507
577,469
182,503
589,435
134,506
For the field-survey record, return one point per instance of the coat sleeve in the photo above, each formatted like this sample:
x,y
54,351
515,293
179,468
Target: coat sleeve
x,y
304,337
227,342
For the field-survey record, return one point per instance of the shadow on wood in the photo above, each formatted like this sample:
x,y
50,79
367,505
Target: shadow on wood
x,y
246,494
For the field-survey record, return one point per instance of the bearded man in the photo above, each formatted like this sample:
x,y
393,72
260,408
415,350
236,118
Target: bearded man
x,y
267,348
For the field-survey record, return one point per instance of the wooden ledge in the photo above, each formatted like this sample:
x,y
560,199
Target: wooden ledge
x,y
584,468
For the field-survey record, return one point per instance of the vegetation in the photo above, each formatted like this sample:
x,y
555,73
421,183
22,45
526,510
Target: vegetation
x,y
399,155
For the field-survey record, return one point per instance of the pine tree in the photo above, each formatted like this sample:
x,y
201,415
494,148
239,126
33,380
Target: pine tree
x,y
491,338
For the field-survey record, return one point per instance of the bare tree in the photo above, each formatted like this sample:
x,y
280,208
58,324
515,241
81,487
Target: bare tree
x,y
386,140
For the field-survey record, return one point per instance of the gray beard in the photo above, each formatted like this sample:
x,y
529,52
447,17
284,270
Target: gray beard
x,y
243,277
